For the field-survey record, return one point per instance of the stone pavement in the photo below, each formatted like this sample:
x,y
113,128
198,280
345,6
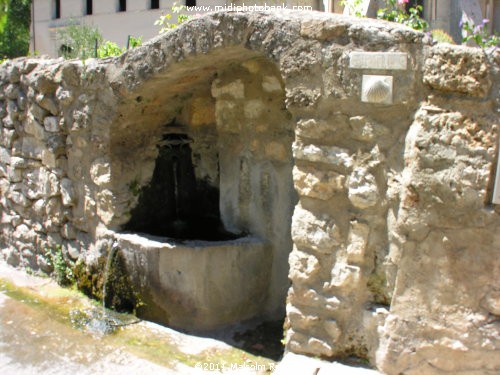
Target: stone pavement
x,y
299,364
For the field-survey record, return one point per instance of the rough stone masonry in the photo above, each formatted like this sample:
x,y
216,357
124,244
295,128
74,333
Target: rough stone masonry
x,y
376,150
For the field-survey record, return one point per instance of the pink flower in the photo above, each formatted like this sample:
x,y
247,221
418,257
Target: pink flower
x,y
401,2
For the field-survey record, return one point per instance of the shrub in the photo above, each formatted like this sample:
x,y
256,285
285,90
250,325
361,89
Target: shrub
x,y
396,13
479,34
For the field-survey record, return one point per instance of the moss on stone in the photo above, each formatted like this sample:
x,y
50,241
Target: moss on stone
x,y
120,293
377,286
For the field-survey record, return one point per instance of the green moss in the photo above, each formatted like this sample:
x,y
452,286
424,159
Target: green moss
x,y
120,293
377,286
135,187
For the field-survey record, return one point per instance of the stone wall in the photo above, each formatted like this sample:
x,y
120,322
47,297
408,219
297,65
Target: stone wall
x,y
393,156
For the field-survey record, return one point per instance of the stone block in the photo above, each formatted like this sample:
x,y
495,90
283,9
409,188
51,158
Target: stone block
x,y
13,73
345,277
357,241
235,89
73,250
363,190
65,97
51,124
378,60
365,129
335,156
67,192
25,234
314,232
28,147
68,231
7,137
320,129
4,156
14,175
318,346
47,102
254,108
317,183
491,302
12,91
17,162
19,198
37,112
44,264
11,256
49,159
106,206
271,84
457,69
33,127
300,321
100,172
332,328
303,266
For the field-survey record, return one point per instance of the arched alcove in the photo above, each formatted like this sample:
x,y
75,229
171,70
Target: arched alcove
x,y
205,161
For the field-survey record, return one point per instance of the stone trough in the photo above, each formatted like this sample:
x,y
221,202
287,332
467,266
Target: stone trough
x,y
197,285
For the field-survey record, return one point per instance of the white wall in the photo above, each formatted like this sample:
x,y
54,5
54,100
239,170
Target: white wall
x,y
115,26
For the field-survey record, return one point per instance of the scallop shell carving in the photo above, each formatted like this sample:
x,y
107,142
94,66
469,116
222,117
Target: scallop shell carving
x,y
378,91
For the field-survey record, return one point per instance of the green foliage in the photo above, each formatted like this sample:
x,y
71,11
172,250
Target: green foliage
x,y
395,13
164,19
134,42
108,49
15,18
479,34
441,36
79,41
355,7
63,267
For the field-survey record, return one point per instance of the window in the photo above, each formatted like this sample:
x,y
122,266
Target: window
x,y
57,9
88,10
155,4
122,6
190,3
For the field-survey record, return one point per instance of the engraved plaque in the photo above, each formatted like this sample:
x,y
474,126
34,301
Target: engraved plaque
x,y
378,60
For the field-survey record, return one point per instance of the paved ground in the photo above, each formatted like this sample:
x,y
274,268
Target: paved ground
x,y
36,337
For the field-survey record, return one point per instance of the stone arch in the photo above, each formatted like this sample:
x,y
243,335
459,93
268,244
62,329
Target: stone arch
x,y
187,87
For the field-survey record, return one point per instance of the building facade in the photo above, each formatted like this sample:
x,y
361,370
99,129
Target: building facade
x,y
117,19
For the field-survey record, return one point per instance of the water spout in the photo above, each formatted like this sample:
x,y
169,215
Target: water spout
x,y
114,249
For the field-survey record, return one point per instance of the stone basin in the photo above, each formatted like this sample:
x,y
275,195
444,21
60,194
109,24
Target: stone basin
x,y
197,285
